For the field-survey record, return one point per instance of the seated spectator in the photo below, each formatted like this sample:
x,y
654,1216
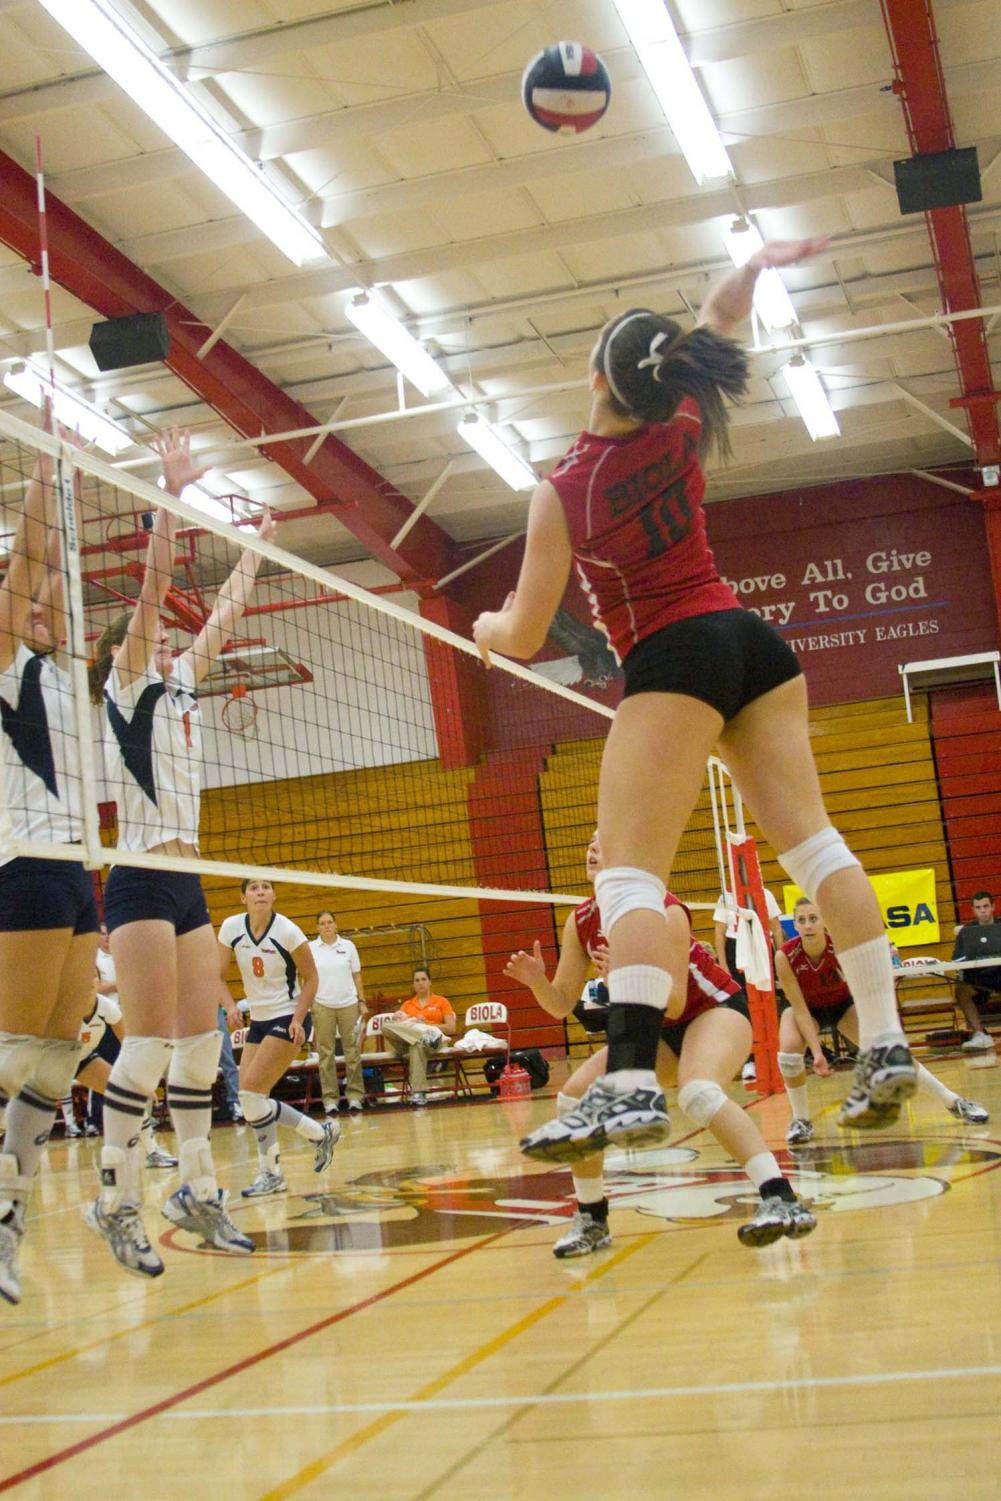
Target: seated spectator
x,y
980,939
419,1027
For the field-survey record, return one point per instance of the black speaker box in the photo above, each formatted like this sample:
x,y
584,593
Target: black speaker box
x,y
135,340
939,179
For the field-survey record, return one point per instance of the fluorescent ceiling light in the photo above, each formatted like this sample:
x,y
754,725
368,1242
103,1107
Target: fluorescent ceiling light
x,y
772,302
73,412
489,444
373,319
125,57
810,397
662,56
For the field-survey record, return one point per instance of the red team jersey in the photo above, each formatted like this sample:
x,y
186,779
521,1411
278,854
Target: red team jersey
x,y
708,984
820,980
637,529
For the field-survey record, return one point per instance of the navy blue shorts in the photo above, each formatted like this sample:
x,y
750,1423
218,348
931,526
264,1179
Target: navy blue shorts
x,y
673,1033
278,1027
132,895
726,659
38,894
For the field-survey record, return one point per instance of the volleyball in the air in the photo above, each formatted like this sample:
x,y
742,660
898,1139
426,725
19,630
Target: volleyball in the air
x,y
566,88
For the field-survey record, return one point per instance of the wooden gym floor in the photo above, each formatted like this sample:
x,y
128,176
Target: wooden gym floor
x,y
403,1330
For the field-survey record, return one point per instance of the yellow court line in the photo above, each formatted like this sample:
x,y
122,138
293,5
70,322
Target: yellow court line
x,y
324,1462
167,1313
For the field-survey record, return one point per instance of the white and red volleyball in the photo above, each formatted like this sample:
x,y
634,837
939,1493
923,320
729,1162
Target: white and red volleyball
x,y
566,88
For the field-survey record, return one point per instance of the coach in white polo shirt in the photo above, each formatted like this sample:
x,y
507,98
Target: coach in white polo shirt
x,y
340,1001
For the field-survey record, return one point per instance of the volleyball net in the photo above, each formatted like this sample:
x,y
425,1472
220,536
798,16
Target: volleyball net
x,y
353,750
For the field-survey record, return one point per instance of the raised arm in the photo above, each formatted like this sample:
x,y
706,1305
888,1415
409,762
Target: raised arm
x,y
519,628
729,303
230,604
27,564
179,471
559,995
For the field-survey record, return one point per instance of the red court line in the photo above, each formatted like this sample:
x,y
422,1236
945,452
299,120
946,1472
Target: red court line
x,y
207,1382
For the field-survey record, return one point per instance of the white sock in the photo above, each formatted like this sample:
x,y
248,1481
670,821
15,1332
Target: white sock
x,y
799,1102
762,1167
632,1078
588,1190
933,1086
302,1125
868,968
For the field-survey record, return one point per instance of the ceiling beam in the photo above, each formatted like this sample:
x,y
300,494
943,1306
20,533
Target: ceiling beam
x,y
102,278
922,91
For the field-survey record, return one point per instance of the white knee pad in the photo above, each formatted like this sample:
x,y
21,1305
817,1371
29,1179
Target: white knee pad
x,y
141,1065
623,889
19,1052
55,1065
195,1060
791,1065
810,863
701,1100
564,1104
256,1107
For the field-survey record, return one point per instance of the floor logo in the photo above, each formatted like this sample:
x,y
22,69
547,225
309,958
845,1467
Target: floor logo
x,y
433,1204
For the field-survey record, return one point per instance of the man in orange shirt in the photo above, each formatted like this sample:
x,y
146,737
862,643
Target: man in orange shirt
x,y
418,1028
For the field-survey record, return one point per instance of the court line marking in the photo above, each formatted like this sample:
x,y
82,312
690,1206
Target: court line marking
x,y
392,1413
155,1409
165,1314
417,1404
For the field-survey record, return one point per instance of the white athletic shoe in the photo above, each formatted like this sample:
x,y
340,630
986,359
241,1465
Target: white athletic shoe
x,y
433,1039
418,1099
969,1111
158,1158
885,1076
800,1132
324,1149
586,1234
980,1042
207,1218
10,1277
125,1233
264,1185
775,1217
605,1116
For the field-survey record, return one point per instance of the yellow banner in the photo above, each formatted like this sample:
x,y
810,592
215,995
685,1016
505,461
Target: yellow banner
x,y
907,901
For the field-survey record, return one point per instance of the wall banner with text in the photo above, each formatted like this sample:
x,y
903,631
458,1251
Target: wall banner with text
x,y
907,901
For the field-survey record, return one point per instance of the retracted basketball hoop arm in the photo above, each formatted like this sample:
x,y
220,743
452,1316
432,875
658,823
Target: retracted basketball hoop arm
x,y
743,879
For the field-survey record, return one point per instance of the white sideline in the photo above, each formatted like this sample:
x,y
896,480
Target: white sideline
x,y
527,1399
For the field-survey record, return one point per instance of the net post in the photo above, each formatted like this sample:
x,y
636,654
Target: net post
x,y
77,644
749,892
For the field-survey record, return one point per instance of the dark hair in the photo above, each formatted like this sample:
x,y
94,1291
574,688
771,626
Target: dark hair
x,y
981,896
651,365
249,880
421,969
107,644
804,901
327,913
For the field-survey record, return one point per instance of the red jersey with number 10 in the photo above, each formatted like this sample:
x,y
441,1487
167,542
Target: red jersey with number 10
x,y
634,512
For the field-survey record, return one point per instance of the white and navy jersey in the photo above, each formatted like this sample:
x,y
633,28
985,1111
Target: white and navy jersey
x,y
153,745
270,980
106,1013
106,970
40,752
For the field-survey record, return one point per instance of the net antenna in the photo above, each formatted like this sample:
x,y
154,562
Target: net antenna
x,y
744,895
69,530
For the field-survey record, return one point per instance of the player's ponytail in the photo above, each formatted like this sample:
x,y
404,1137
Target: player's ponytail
x,y
651,364
108,643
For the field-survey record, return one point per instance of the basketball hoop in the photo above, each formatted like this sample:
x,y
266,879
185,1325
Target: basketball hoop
x,y
239,712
